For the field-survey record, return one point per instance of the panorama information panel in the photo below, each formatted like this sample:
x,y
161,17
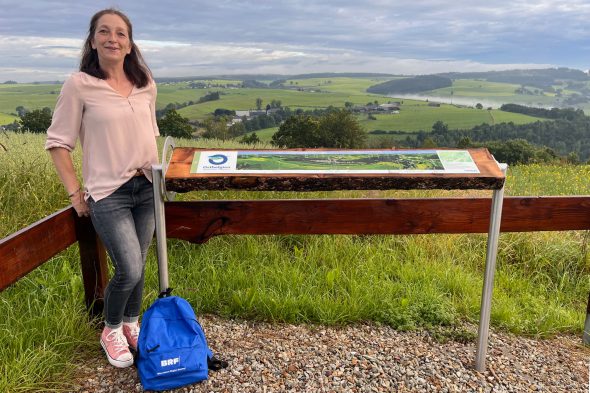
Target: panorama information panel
x,y
334,161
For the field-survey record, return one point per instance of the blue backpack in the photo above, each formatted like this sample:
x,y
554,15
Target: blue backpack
x,y
172,349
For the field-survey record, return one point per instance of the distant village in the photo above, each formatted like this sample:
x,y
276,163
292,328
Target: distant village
x,y
370,108
245,115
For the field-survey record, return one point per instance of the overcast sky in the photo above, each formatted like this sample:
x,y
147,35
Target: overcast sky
x,y
41,39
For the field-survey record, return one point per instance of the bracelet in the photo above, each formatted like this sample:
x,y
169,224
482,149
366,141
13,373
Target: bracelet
x,y
75,192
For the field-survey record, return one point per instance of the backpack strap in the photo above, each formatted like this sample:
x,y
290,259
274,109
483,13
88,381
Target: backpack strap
x,y
166,293
215,364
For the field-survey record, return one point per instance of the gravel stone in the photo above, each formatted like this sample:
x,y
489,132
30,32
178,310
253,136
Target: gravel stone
x,y
265,357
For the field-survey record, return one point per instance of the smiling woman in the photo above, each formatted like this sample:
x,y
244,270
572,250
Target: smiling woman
x,y
110,106
110,37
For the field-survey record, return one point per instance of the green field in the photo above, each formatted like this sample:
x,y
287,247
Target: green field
x,y
475,88
244,99
351,86
30,96
315,93
265,135
416,117
491,93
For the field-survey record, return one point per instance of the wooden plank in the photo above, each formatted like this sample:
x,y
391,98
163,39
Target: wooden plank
x,y
30,247
180,179
198,221
93,260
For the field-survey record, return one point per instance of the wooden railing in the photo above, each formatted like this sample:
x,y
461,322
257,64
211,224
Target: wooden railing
x,y
29,248
198,221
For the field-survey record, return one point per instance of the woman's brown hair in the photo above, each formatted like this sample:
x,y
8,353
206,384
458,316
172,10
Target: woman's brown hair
x,y
134,65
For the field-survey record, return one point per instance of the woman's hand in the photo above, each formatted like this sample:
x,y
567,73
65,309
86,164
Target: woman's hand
x,y
80,204
65,169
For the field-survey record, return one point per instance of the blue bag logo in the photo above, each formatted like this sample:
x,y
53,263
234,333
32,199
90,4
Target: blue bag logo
x,y
217,159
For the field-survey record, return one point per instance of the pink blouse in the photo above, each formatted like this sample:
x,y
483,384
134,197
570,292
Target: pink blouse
x,y
117,133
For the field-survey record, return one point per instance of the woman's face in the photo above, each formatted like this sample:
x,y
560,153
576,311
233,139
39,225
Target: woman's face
x,y
111,39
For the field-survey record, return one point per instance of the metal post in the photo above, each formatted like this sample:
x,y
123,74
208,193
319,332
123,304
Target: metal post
x,y
162,252
488,281
586,336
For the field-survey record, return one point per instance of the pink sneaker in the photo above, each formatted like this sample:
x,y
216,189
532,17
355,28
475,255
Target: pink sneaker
x,y
115,346
131,333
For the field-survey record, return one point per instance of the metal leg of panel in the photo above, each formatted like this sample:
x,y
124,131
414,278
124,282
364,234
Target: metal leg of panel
x,y
162,252
586,336
488,282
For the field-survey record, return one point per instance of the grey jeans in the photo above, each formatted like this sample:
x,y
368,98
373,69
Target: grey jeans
x,y
125,223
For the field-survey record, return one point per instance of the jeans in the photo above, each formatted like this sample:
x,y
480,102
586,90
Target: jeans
x,y
125,223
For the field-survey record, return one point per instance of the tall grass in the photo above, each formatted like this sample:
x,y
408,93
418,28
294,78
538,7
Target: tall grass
x,y
407,282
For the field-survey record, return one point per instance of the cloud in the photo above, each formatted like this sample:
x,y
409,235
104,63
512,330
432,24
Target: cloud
x,y
296,36
52,58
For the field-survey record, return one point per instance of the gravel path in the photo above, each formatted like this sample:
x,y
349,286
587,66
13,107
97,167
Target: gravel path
x,y
267,357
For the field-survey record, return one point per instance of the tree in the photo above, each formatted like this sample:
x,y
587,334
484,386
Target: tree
x,y
216,128
479,106
337,128
440,128
258,103
236,129
36,121
173,124
297,131
513,151
251,139
20,110
340,129
572,158
464,143
14,126
211,96
224,112
428,143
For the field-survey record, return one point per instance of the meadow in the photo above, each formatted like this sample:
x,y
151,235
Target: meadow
x,y
417,116
408,282
306,94
469,91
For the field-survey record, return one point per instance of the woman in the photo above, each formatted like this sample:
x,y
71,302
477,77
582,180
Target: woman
x,y
110,106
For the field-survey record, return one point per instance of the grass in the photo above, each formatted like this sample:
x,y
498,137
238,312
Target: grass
x,y
408,282
7,119
416,117
44,329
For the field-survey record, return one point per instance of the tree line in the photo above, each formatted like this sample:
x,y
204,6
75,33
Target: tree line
x,y
416,84
553,113
540,78
566,138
